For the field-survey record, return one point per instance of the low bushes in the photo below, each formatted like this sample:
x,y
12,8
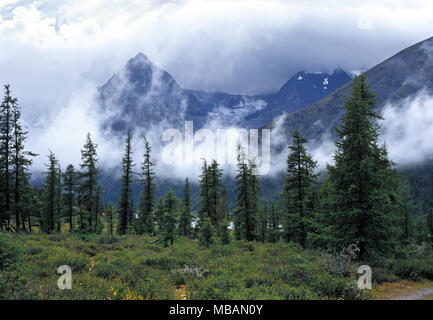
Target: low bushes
x,y
128,267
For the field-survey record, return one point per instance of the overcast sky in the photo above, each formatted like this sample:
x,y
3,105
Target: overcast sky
x,y
55,52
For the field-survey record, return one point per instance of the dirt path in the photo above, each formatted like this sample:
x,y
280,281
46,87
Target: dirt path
x,y
418,295
405,290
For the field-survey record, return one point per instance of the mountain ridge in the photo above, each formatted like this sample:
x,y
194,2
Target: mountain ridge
x,y
142,95
404,74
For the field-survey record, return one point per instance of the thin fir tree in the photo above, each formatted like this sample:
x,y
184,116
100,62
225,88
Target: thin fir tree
x,y
298,185
185,217
88,183
126,187
147,198
69,188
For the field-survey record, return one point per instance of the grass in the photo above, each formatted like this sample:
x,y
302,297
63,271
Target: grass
x,y
128,267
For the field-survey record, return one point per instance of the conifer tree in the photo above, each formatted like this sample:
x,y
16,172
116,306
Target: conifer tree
x,y
206,233
255,195
204,203
214,191
20,162
32,206
48,223
322,220
245,218
88,184
185,217
147,198
169,217
298,190
363,177
5,156
125,209
59,188
69,188
222,210
224,232
81,213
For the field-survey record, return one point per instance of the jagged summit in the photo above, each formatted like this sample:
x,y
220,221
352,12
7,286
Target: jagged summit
x,y
140,57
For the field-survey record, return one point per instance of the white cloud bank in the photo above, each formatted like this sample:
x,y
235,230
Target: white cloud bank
x,y
408,129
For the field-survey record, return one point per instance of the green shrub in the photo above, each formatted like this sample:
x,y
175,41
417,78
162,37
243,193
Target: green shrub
x,y
297,293
164,263
12,267
105,270
61,256
108,239
10,252
380,275
413,268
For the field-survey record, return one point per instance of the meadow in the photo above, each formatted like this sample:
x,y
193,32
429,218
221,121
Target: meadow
x,y
131,267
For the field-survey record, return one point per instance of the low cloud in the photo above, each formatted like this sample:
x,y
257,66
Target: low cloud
x,y
408,129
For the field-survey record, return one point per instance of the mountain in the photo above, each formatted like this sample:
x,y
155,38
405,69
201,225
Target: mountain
x,y
301,90
403,75
142,95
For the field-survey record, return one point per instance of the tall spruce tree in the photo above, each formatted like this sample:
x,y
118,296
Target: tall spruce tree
x,y
245,217
169,219
125,208
185,217
69,188
222,210
59,188
5,156
214,191
206,233
20,161
298,189
204,203
255,195
224,233
30,207
363,177
50,199
147,198
88,184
